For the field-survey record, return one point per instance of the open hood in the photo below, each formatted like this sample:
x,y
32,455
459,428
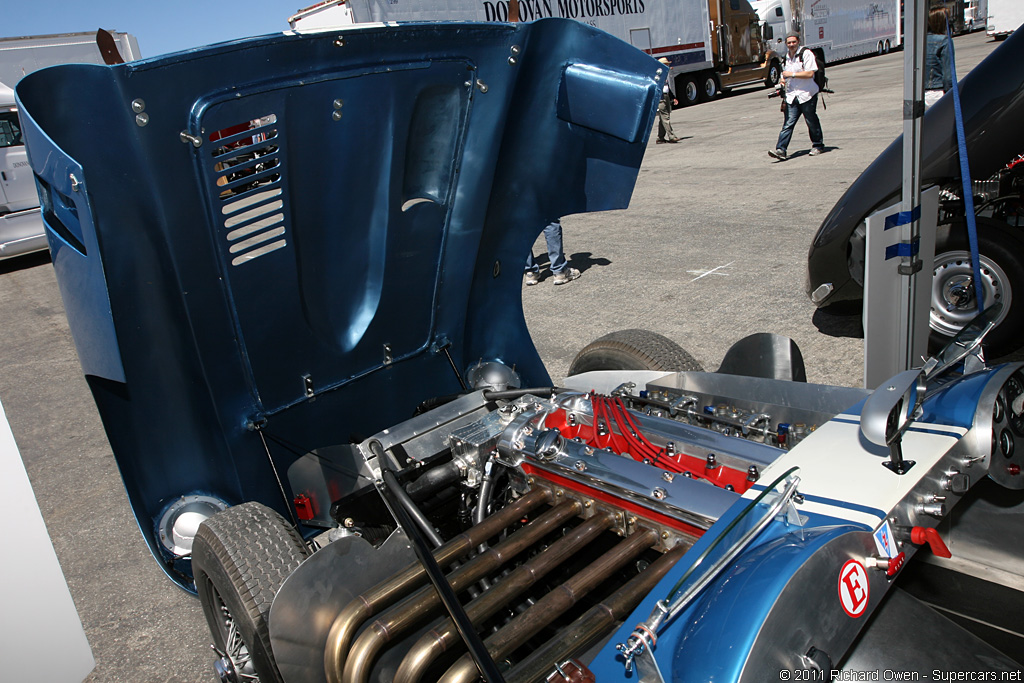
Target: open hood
x,y
300,238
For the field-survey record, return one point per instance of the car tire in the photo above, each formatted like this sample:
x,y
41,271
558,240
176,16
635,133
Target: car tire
x,y
633,350
709,87
690,93
774,74
240,558
1001,255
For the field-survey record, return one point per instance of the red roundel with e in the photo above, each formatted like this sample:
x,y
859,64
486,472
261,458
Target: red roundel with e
x,y
854,589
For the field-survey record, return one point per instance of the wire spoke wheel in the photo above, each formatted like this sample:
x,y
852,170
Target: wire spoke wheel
x,y
240,558
235,649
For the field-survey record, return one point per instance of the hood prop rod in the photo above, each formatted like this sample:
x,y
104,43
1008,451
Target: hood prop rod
x,y
388,487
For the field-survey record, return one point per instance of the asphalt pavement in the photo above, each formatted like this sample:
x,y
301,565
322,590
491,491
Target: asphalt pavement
x,y
712,248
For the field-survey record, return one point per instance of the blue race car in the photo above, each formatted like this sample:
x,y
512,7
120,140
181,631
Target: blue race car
x,y
292,269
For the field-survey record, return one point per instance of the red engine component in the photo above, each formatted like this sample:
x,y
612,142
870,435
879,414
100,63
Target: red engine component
x,y
614,428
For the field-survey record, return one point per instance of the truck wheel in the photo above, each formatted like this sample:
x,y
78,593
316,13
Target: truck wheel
x,y
708,87
690,93
240,558
887,47
633,350
774,73
953,304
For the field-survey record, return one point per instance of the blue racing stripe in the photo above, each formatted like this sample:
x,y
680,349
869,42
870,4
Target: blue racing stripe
x,y
845,505
922,430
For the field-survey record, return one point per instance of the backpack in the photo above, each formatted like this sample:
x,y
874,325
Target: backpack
x,y
819,75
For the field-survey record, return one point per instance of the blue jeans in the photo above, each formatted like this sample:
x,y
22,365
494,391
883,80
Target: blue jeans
x,y
793,111
553,236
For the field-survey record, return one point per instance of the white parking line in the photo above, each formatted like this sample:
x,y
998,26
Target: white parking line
x,y
705,273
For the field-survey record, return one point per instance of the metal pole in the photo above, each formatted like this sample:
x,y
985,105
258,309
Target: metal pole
x,y
910,207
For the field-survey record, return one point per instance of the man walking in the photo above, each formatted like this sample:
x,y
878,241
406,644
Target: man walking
x,y
801,97
668,99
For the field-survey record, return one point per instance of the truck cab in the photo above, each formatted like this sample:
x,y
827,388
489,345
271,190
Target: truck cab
x,y
740,53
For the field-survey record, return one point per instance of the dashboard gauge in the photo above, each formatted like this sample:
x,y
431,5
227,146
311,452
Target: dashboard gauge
x,y
1015,403
998,413
1006,443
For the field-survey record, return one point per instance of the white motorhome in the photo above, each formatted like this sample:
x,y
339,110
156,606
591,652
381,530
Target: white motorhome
x,y
710,44
835,29
1004,17
21,224
21,227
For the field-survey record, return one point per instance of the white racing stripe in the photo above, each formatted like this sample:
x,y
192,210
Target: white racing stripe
x,y
841,472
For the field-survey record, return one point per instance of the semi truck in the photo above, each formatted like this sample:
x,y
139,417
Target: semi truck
x,y
834,29
710,44
1004,17
21,223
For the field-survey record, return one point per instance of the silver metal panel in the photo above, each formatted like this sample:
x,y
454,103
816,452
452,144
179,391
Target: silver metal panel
x,y
907,636
311,598
770,393
885,322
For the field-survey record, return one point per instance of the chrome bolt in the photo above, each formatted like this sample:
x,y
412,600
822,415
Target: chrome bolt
x,y
138,106
141,119
336,116
659,493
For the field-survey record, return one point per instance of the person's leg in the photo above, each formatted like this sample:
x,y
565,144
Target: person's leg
x,y
786,134
810,112
664,120
531,264
553,237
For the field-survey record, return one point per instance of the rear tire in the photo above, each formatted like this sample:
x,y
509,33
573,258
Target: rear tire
x,y
709,87
690,93
1002,270
240,558
633,350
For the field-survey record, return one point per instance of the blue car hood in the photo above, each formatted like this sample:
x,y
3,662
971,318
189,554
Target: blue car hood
x,y
286,237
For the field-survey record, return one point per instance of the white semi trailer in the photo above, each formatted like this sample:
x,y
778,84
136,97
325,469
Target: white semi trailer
x,y
835,29
710,44
1004,17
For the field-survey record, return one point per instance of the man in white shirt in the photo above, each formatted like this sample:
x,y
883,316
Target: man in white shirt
x,y
801,98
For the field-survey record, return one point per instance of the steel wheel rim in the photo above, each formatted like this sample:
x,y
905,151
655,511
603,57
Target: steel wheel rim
x,y
952,278
235,649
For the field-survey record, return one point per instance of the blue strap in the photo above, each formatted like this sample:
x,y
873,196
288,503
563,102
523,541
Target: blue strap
x,y
902,249
965,177
902,218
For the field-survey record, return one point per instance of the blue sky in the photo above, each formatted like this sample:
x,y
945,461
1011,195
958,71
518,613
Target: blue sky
x,y
160,27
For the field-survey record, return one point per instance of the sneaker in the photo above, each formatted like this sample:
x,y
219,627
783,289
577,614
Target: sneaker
x,y
815,151
567,275
779,154
532,278
673,139
661,141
